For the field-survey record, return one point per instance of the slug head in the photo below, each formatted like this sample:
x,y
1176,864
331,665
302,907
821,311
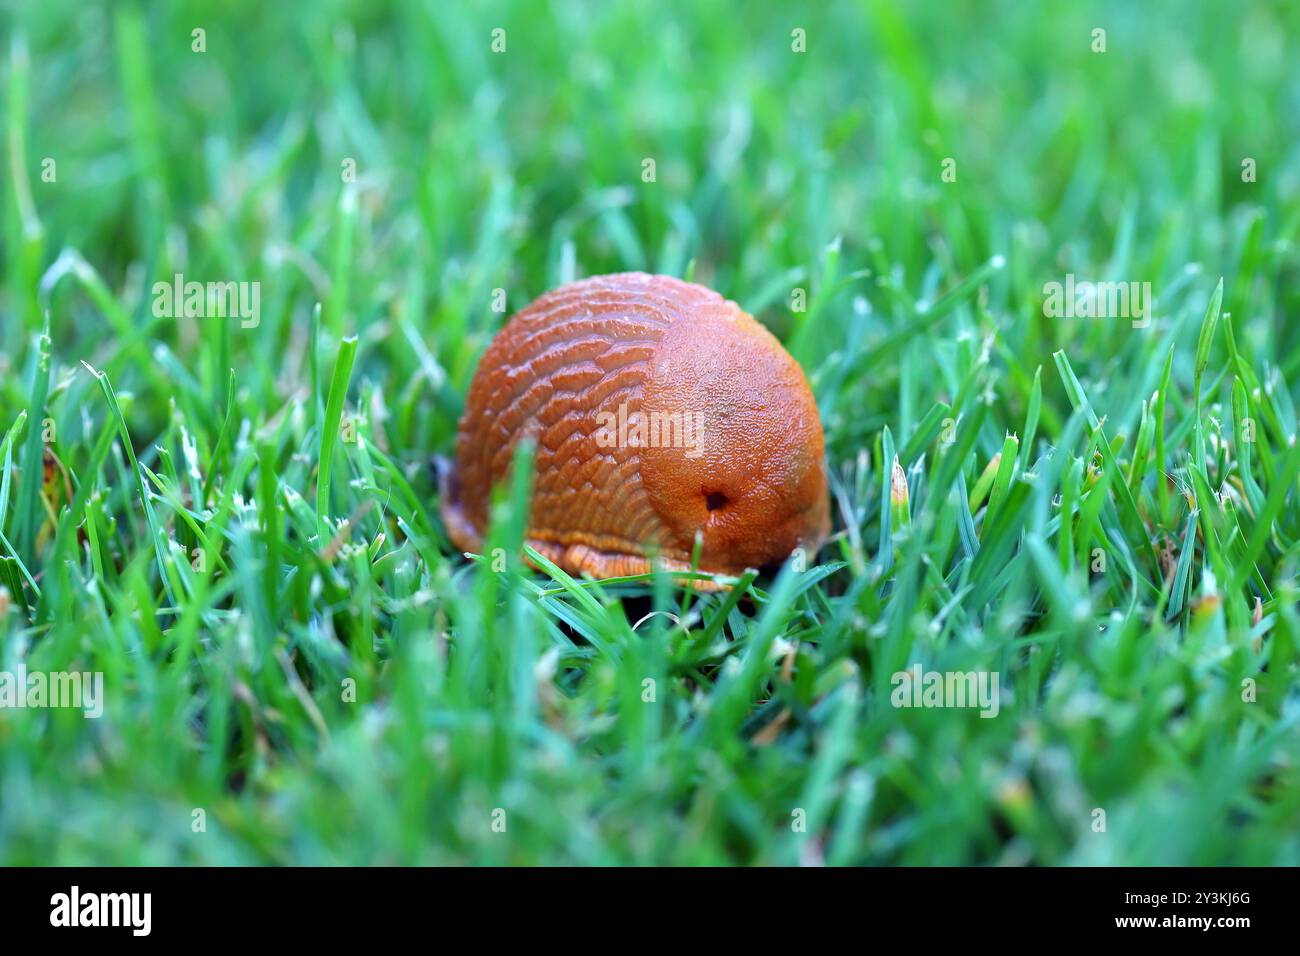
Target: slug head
x,y
746,469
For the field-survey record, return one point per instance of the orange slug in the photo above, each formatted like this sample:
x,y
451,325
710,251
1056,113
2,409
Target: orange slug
x,y
659,410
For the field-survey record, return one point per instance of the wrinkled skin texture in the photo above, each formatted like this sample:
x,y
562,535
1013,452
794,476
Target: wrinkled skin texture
x,y
729,445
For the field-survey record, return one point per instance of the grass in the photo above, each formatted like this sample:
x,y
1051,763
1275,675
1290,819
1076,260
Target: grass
x,y
238,526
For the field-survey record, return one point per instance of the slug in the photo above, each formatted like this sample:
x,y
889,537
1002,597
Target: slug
x,y
659,411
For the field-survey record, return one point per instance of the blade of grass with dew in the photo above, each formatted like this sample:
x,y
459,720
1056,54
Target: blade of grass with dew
x,y
330,428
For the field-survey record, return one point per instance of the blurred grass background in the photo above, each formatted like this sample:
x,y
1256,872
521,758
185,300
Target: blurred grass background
x,y
775,170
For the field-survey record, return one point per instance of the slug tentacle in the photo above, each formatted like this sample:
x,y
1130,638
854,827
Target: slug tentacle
x,y
659,410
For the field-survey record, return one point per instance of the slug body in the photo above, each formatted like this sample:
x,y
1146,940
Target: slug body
x,y
659,410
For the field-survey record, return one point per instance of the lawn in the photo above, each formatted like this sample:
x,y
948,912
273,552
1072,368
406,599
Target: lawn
x,y
234,519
